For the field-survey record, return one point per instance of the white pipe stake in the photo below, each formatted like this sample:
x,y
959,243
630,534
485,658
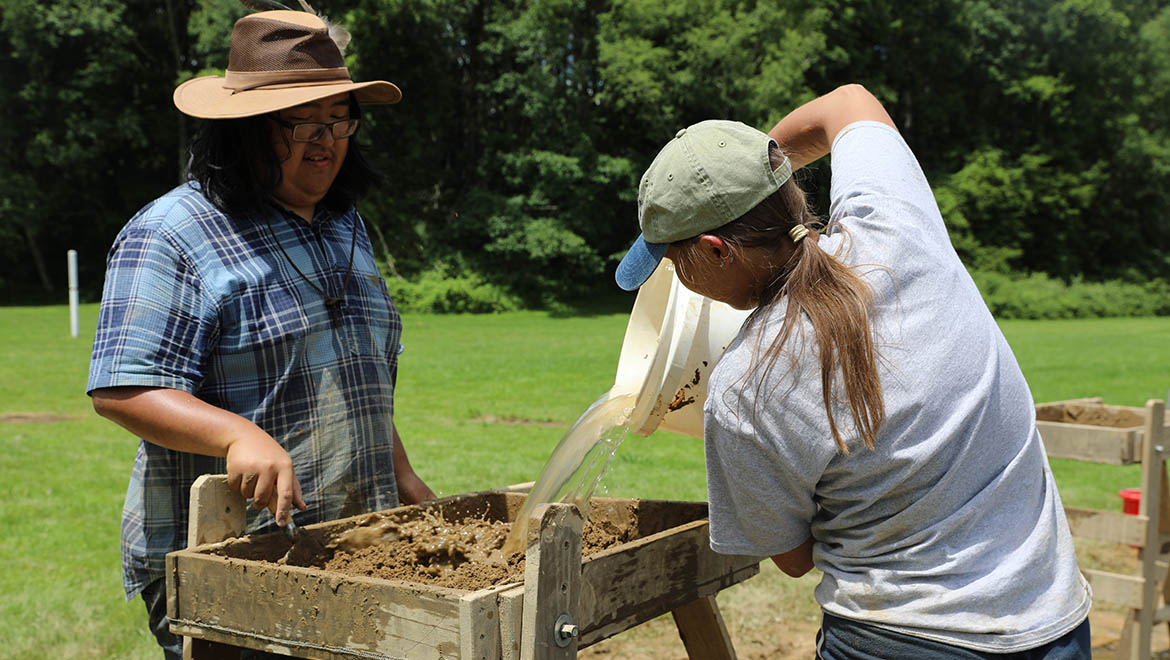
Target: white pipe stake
x,y
72,258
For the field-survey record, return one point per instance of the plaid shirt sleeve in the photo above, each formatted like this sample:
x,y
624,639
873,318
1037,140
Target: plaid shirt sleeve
x,y
154,324
154,327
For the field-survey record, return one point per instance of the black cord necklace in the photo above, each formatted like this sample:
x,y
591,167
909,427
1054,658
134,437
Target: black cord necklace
x,y
331,302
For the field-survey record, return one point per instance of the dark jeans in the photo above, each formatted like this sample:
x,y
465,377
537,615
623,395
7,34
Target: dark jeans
x,y
155,597
842,639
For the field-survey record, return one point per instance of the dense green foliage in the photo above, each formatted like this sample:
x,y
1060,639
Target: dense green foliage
x,y
514,156
1038,296
440,292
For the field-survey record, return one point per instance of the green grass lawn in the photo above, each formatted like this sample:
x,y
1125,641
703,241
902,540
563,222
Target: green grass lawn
x,y
461,378
1124,361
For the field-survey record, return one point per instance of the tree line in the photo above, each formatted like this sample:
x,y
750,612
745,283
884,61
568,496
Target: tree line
x,y
512,161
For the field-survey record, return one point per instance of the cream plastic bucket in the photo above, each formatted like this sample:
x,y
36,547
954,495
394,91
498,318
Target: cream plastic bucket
x,y
673,340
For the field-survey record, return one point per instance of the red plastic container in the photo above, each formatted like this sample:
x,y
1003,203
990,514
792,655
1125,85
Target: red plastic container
x,y
1131,500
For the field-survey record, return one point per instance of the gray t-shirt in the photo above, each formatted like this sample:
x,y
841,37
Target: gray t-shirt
x,y
951,528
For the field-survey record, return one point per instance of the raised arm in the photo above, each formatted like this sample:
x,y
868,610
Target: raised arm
x,y
806,134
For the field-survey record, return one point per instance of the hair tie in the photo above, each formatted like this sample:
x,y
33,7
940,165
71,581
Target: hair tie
x,y
798,233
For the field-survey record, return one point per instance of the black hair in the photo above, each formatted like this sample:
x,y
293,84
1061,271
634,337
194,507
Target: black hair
x,y
237,169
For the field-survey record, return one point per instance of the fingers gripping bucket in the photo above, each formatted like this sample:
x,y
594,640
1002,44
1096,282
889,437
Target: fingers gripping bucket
x,y
673,340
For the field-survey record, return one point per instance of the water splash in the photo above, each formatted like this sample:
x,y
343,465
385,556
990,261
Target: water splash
x,y
579,461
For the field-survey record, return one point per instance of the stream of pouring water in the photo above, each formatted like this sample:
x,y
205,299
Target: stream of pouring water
x,y
586,449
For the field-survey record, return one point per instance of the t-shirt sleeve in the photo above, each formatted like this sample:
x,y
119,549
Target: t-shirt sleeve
x,y
154,324
873,168
761,484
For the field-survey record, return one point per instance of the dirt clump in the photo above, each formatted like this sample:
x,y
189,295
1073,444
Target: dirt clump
x,y
459,552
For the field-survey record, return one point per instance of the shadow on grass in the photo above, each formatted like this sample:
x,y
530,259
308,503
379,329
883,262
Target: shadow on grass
x,y
599,303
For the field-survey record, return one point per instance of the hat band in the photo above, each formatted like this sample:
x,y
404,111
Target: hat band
x,y
239,81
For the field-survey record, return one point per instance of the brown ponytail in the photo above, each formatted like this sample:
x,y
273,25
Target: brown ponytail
x,y
837,302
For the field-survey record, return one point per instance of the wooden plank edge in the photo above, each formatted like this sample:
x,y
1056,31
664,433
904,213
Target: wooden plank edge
x,y
479,627
591,635
1125,590
1110,526
646,540
511,604
1092,444
260,642
440,636
552,580
183,557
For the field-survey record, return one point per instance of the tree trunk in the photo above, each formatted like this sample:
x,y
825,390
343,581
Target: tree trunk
x,y
177,49
389,257
38,259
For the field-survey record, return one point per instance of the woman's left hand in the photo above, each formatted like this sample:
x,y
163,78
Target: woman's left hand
x,y
412,489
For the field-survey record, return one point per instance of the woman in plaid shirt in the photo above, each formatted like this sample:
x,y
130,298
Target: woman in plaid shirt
x,y
244,327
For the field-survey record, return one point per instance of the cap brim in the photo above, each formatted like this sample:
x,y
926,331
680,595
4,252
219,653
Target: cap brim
x,y
207,98
639,263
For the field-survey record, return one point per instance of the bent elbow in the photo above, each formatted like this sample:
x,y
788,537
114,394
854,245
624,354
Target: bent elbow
x,y
854,91
797,561
101,404
111,402
794,571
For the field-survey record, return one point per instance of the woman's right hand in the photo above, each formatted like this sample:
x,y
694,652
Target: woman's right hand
x,y
260,469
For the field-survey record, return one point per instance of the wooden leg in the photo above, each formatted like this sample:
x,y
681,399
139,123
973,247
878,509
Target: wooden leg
x,y
1166,593
1154,491
702,630
1126,647
552,584
217,513
1164,528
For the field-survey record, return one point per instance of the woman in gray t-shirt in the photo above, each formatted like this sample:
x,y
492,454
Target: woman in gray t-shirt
x,y
870,419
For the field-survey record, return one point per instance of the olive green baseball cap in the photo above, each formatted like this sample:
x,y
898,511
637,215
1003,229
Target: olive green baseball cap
x,y
710,174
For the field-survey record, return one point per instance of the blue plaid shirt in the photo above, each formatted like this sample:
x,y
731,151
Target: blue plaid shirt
x,y
198,301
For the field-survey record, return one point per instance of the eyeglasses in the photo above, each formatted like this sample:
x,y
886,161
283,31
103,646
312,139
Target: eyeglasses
x,y
311,131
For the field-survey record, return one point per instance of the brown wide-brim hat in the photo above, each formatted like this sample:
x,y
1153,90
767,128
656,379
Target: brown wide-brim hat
x,y
278,59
